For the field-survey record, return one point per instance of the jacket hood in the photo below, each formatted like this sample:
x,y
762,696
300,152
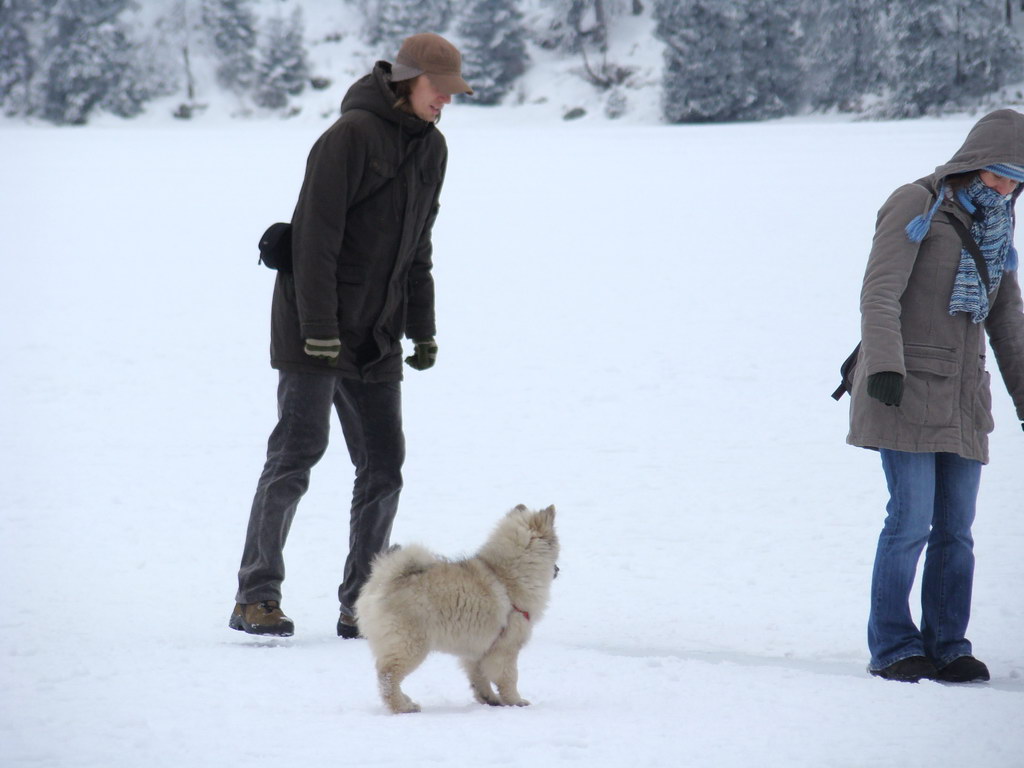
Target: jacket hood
x,y
373,93
997,138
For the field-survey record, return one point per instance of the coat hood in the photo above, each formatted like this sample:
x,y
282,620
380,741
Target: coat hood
x,y
373,93
997,138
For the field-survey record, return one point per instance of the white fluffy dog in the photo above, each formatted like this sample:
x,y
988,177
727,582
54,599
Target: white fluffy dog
x,y
481,609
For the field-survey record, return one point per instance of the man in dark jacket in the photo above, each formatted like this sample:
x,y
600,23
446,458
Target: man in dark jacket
x,y
361,253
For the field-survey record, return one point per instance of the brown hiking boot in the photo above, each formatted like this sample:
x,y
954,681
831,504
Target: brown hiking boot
x,y
264,618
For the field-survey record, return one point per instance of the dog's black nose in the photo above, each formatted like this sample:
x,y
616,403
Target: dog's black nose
x,y
556,573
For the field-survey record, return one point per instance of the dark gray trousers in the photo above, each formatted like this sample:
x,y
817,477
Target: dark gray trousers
x,y
371,419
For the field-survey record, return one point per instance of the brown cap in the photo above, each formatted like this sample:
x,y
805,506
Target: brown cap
x,y
431,55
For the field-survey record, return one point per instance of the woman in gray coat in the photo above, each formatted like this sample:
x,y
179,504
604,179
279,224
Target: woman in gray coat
x,y
921,392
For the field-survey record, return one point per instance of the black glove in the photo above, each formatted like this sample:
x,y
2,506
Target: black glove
x,y
424,355
886,386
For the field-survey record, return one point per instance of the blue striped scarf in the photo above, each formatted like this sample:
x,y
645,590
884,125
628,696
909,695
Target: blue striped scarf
x,y
993,230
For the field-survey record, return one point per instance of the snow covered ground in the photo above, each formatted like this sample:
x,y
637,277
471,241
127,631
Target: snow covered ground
x,y
639,324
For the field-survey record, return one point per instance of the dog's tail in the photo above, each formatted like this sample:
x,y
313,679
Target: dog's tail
x,y
400,562
390,569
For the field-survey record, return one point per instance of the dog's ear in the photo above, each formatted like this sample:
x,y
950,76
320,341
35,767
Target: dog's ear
x,y
519,508
546,518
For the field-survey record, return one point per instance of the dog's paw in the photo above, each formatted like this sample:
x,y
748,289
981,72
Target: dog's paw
x,y
402,704
515,702
487,698
406,707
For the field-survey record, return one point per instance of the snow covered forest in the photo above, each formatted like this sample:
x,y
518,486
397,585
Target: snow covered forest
x,y
65,61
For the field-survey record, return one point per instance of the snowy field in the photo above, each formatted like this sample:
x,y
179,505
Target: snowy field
x,y
639,324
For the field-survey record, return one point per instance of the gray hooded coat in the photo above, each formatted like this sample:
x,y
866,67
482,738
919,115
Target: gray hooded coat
x,y
361,239
906,326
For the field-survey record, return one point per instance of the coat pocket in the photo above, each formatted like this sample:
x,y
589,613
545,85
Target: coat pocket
x,y
931,392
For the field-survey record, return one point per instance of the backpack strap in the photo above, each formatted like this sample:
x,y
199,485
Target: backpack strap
x,y
972,247
967,239
846,371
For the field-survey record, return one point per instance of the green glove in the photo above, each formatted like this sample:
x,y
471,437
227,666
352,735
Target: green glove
x,y
326,348
886,386
424,355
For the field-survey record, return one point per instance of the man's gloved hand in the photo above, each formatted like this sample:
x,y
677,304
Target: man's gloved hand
x,y
424,354
326,348
886,386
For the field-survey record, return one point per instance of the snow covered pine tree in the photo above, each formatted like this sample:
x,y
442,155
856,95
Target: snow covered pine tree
x,y
845,53
16,62
231,25
388,22
947,51
282,69
703,78
89,62
493,45
771,58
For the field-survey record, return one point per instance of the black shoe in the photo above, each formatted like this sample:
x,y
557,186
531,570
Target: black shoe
x,y
908,670
966,669
347,628
265,618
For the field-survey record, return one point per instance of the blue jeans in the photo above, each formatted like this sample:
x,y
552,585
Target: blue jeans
x,y
932,502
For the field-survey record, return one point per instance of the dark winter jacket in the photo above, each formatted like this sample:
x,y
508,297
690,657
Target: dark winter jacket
x,y
906,326
361,246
